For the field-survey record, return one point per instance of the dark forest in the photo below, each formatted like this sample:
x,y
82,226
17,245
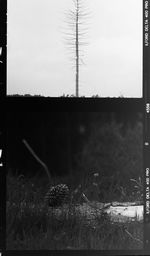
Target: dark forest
x,y
71,142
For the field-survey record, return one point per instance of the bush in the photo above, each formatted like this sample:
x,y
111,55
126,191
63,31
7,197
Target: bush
x,y
115,155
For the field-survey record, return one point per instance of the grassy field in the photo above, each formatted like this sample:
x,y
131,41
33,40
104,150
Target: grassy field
x,y
31,226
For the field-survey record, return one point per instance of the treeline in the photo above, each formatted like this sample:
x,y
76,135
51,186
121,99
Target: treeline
x,y
75,141
62,96
24,95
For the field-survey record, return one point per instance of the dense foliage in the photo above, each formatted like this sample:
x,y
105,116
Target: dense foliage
x,y
116,155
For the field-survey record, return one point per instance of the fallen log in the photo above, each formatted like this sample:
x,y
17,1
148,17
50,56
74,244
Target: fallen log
x,y
125,213
119,211
116,214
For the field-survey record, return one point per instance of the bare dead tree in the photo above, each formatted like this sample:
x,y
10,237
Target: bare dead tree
x,y
76,36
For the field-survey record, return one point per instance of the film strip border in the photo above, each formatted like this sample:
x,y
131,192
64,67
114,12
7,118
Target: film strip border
x,y
3,69
2,187
3,47
146,94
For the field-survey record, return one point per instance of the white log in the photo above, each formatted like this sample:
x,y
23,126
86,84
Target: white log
x,y
120,214
119,211
125,214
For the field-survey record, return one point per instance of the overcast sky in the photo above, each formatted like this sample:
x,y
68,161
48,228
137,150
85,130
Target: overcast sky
x,y
38,59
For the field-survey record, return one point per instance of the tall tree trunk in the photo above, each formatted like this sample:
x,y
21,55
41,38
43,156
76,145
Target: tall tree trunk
x,y
77,52
76,36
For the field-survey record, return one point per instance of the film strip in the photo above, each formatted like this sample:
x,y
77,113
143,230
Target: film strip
x,y
146,110
3,72
146,90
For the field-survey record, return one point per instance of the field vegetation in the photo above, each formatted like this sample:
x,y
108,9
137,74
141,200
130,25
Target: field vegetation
x,y
108,168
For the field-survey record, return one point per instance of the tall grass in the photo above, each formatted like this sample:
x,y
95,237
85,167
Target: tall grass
x,y
32,226
109,169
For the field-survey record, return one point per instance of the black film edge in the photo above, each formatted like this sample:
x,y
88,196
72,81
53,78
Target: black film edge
x,y
146,95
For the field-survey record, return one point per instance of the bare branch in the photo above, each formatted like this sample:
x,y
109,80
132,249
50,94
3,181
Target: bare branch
x,y
134,238
37,158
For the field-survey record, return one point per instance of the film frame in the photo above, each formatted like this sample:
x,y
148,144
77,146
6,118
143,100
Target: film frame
x,y
144,104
